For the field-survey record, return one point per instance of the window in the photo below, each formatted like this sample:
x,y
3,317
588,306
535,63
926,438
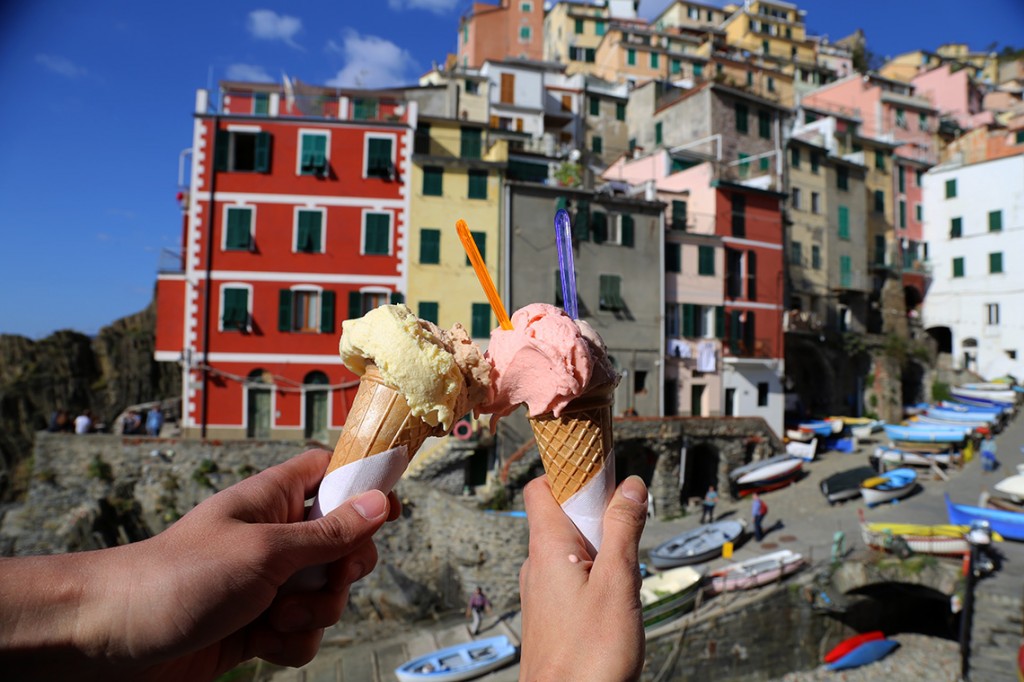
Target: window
x,y
313,158
879,249
596,144
762,394
992,314
481,245
794,157
1018,137
673,257
880,160
579,26
796,198
595,106
433,181
815,162
845,273
901,118
477,184
261,103
365,109
995,221
242,151
844,222
771,84
234,307
741,117
480,320
654,60
631,57
764,124
922,121
675,67
706,260
918,212
750,79
843,178
421,139
472,87
469,143
744,165
657,133
524,34
379,162
950,189
309,231
305,310
903,213
815,203
763,164
376,234
958,267
739,215
610,293
600,27
625,235
430,246
796,253
879,201
956,228
816,257
508,88
620,111
362,302
698,70
919,177
238,235
902,179
678,215
995,263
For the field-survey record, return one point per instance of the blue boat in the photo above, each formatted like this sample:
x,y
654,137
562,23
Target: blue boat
x,y
1009,524
962,415
931,433
965,407
821,427
460,662
868,652
888,486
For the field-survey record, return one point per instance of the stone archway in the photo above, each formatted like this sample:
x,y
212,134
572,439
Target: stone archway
x,y
700,471
943,338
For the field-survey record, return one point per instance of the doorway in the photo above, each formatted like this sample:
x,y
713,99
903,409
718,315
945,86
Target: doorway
x,y
730,402
697,400
258,411
315,412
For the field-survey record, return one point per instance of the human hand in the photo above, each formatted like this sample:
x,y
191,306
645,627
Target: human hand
x,y
582,618
204,595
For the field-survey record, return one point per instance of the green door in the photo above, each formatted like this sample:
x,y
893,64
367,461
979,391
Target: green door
x,y
316,415
258,423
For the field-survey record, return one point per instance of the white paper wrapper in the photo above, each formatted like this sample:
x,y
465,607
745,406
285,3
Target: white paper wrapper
x,y
586,507
377,472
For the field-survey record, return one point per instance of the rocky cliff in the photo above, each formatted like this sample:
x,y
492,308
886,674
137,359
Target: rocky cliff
x,y
69,370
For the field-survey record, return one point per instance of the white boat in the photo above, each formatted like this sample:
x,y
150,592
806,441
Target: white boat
x,y
911,458
800,435
805,451
1008,397
465,661
756,571
1012,488
942,539
866,431
669,594
777,474
889,486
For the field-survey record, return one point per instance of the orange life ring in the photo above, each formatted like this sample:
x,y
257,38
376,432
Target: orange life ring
x,y
463,430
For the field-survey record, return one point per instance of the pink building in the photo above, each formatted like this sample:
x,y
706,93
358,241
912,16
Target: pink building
x,y
954,94
510,28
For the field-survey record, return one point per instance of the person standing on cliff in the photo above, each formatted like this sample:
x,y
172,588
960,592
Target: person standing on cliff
x,y
478,603
710,500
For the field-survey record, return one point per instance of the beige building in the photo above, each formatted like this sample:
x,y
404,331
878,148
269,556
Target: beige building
x,y
455,174
771,29
467,93
572,32
684,14
757,76
636,53
984,66
806,237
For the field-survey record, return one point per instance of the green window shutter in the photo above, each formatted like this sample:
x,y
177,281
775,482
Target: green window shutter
x,y
261,103
688,320
744,165
309,232
903,213
901,176
739,215
430,246
654,60
816,257
842,178
433,181
470,143
221,142
956,228
845,273
590,55
1018,137
596,144
355,305
657,133
579,26
477,184
314,154
678,215
595,106
676,67
995,263
918,212
397,297
950,189
620,111
284,310
741,117
764,124
376,237
719,322
480,321
427,310
673,257
995,221
581,226
880,160
627,231
879,201
879,249
378,158
844,222
599,221
794,157
631,57
705,260
958,267
236,309
763,163
261,163
239,236
481,244
815,162
327,299
600,28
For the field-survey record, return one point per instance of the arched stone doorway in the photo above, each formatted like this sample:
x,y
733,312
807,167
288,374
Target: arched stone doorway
x,y
700,470
943,338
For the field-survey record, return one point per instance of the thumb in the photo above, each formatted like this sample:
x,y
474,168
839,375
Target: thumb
x,y
336,534
624,521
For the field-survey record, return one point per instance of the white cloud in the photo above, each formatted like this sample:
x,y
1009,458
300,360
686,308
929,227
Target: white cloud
x,y
435,6
250,73
61,65
371,62
266,24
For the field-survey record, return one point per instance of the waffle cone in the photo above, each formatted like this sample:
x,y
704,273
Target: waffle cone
x,y
574,445
380,420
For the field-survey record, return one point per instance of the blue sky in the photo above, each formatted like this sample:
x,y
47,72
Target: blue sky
x,y
98,98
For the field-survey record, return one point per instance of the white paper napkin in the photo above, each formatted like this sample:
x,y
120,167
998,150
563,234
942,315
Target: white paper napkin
x,y
586,507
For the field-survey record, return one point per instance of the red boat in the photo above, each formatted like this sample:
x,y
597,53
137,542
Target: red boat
x,y
851,643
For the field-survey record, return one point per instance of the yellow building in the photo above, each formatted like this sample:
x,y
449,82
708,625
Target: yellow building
x,y
690,15
773,30
457,172
984,66
636,53
758,76
572,32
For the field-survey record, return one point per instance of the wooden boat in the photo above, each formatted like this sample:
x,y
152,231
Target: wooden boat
x,y
757,571
696,546
805,451
925,434
993,502
768,477
868,652
889,486
1009,524
845,485
668,595
1011,487
903,457
942,539
460,662
850,643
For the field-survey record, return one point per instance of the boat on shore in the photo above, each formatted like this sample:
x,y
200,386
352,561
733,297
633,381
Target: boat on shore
x,y
465,661
696,546
925,433
845,485
850,643
768,476
891,455
868,652
1012,488
668,595
1004,396
756,571
1009,524
892,485
822,427
805,451
939,539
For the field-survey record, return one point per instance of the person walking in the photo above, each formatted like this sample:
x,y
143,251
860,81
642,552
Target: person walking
x,y
478,603
988,453
154,421
710,500
757,510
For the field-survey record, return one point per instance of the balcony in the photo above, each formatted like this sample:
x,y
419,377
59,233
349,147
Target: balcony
x,y
744,348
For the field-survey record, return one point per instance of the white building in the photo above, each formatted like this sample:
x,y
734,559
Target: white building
x,y
973,224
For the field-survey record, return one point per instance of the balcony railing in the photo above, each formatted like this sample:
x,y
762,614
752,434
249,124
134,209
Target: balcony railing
x,y
741,348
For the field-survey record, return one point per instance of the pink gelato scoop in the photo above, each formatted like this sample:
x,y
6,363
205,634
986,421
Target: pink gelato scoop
x,y
546,360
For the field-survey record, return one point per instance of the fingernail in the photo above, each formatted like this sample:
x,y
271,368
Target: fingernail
x,y
294,617
633,488
371,505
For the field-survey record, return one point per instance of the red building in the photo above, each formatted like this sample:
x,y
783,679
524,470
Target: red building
x,y
295,219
